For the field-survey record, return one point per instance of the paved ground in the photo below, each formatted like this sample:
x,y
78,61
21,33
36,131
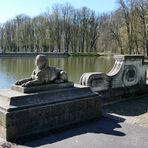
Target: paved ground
x,y
126,125
133,111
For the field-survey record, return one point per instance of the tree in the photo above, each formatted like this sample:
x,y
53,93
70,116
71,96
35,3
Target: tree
x,y
128,21
115,29
142,10
66,12
66,29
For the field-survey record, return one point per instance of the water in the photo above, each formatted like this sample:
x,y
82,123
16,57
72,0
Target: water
x,y
12,69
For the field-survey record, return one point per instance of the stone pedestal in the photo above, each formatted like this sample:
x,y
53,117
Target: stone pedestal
x,y
44,87
26,114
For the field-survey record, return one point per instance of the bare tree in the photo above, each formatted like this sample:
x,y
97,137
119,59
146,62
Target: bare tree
x,y
115,26
142,9
65,29
128,21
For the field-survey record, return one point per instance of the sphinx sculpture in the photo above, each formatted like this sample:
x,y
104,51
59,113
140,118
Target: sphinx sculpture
x,y
43,74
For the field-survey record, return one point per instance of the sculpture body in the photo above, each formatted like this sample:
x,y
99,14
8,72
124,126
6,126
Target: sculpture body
x,y
43,74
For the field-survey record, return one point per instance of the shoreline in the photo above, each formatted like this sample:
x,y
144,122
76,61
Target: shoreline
x,y
32,54
51,54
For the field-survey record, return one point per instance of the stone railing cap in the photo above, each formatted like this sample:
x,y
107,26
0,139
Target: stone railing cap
x,y
125,57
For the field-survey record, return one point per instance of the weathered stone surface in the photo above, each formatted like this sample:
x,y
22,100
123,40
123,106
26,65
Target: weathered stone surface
x,y
45,87
97,80
127,79
127,71
121,94
43,74
23,114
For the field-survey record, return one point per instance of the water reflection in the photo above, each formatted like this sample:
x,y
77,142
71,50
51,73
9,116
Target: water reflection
x,y
12,69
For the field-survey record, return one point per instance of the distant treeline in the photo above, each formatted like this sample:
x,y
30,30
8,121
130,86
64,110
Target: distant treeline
x,y
66,29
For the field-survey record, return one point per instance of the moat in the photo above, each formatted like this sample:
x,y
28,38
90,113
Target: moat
x,y
12,69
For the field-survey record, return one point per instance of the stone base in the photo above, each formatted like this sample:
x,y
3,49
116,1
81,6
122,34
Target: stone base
x,y
122,94
23,115
45,87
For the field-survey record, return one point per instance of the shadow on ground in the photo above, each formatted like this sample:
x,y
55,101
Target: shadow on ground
x,y
134,107
103,125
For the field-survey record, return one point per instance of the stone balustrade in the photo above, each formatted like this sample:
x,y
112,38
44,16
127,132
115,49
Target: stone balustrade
x,y
127,78
127,71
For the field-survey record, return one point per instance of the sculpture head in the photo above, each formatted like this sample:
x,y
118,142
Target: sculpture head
x,y
41,61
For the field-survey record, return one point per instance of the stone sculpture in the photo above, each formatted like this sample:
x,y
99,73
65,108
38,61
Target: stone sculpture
x,y
43,74
30,109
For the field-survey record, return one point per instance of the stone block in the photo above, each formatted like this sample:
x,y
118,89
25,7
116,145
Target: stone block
x,y
44,87
26,114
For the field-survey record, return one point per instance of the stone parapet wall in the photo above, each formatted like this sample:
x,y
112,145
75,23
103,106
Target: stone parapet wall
x,y
41,119
127,71
23,115
122,94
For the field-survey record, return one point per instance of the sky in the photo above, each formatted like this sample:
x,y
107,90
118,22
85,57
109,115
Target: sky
x,y
10,8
